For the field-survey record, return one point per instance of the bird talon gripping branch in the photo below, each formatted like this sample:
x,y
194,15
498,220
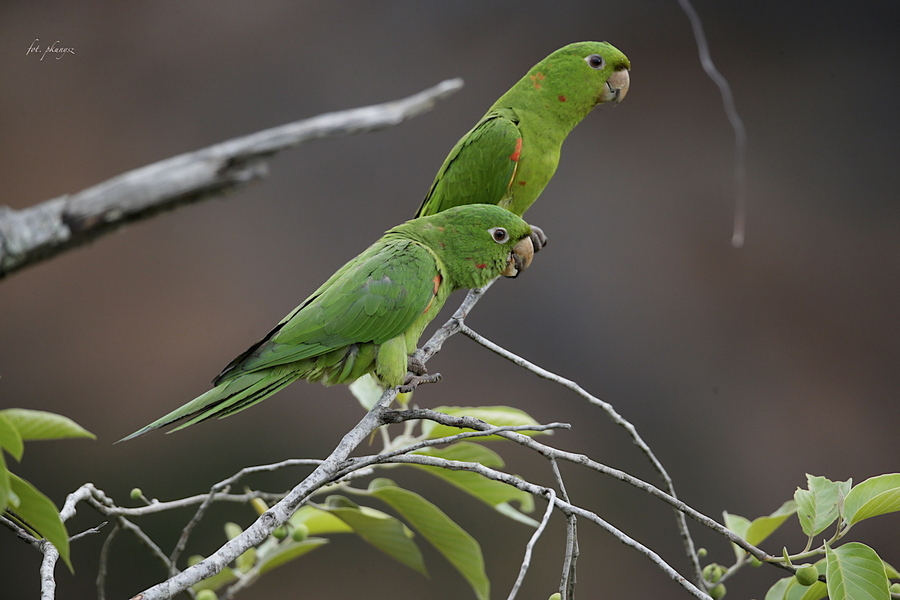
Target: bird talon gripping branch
x,y
414,381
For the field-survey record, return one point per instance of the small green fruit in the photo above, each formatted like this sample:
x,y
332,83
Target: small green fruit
x,y
556,596
137,494
206,595
895,588
717,591
279,533
701,553
300,532
807,574
713,572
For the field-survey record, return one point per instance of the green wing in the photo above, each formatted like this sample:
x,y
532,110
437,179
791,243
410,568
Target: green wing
x,y
479,168
373,298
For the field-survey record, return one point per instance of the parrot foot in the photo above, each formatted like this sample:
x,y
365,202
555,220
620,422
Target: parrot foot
x,y
414,381
538,238
416,366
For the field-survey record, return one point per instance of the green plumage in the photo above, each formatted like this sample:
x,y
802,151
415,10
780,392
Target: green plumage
x,y
368,317
512,152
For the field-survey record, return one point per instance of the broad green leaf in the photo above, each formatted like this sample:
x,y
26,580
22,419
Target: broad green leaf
x,y
466,452
873,497
818,507
318,521
366,391
816,591
762,527
288,551
42,425
7,497
384,532
855,572
447,537
10,438
41,514
495,493
500,416
738,525
779,589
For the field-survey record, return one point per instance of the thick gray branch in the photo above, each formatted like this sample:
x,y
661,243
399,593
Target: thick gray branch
x,y
47,229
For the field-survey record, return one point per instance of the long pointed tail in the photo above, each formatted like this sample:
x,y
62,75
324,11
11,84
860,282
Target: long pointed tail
x,y
225,399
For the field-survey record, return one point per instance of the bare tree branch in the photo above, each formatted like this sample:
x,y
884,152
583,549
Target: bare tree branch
x,y
42,231
618,419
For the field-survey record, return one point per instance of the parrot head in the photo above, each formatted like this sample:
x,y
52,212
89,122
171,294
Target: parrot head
x,y
477,242
573,80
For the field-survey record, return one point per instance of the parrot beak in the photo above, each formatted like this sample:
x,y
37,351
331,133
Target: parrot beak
x,y
519,258
616,87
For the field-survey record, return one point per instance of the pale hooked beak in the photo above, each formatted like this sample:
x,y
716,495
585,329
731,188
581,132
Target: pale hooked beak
x,y
519,258
616,87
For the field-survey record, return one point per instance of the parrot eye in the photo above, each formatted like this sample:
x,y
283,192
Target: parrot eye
x,y
595,61
500,235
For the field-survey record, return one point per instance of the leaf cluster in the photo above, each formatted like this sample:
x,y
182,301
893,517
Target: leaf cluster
x,y
849,571
21,502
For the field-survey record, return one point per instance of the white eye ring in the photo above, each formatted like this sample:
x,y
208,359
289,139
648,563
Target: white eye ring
x,y
595,61
499,234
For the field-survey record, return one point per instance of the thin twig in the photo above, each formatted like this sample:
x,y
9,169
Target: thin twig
x,y
276,515
737,124
567,581
581,459
616,418
104,561
224,486
21,533
566,507
529,547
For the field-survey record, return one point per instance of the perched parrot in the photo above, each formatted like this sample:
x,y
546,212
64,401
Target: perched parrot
x,y
367,318
512,152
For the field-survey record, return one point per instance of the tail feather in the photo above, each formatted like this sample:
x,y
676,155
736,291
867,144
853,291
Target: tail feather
x,y
223,400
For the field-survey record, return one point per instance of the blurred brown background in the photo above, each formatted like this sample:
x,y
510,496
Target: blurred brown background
x,y
744,369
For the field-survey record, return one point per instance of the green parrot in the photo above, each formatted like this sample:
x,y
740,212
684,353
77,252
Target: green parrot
x,y
512,152
368,317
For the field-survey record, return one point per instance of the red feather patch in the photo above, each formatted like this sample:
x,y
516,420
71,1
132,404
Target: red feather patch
x,y
517,152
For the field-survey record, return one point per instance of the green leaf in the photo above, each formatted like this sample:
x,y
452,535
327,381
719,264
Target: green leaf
x,y
763,527
367,391
41,425
383,532
739,525
41,515
494,493
855,572
318,521
10,438
447,537
499,416
816,591
288,551
873,497
818,507
779,589
7,497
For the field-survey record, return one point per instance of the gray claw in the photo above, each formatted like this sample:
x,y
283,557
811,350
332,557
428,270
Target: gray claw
x,y
538,238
